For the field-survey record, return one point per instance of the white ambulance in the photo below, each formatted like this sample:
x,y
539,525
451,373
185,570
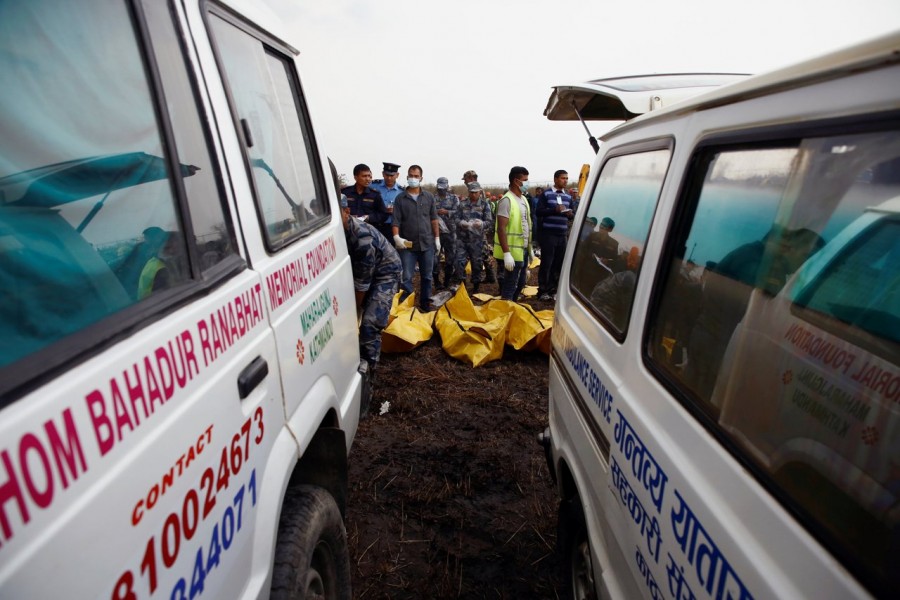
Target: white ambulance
x,y
179,384
725,400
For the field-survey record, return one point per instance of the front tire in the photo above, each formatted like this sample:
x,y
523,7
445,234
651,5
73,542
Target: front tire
x,y
575,552
311,557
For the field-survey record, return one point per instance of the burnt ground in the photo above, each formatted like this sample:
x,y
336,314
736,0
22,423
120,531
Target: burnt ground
x,y
449,491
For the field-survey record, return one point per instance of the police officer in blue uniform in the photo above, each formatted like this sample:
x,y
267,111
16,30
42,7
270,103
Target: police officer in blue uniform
x,y
389,190
365,203
376,275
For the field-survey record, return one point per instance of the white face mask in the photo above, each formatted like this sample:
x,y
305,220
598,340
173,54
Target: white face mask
x,y
413,182
523,186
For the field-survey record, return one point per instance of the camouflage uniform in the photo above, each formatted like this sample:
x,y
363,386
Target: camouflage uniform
x,y
487,254
474,221
450,202
376,271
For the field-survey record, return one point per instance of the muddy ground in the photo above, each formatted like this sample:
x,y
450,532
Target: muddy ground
x,y
450,495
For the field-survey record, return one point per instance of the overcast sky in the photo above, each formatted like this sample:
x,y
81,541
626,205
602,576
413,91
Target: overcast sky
x,y
462,84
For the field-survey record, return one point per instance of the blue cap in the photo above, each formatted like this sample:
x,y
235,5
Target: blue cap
x,y
607,223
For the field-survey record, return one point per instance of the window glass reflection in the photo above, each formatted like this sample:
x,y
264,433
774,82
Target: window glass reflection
x,y
88,222
780,320
266,100
611,240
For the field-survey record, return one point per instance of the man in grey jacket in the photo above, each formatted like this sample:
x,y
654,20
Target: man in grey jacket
x,y
416,236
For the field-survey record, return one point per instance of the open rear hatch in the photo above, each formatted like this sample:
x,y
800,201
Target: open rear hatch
x,y
623,98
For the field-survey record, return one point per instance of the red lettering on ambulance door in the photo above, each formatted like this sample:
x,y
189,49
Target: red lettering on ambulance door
x,y
11,490
32,477
103,429
65,451
205,347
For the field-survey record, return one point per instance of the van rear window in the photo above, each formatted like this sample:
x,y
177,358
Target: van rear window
x,y
778,325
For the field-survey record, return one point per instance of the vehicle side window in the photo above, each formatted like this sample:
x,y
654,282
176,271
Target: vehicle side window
x,y
611,240
278,140
211,230
89,223
779,324
707,295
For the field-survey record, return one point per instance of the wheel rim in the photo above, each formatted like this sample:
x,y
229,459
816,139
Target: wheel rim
x,y
315,587
582,573
320,581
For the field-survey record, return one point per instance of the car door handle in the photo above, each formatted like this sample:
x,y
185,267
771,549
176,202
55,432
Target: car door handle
x,y
252,376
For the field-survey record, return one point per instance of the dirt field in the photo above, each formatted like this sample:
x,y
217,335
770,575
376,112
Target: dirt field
x,y
450,495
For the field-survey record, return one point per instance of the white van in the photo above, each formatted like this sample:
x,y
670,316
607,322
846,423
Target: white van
x,y
179,364
725,388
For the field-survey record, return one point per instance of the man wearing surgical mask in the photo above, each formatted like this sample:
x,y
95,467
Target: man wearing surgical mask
x,y
416,236
512,235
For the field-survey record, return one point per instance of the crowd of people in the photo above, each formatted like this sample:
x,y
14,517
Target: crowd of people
x,y
393,231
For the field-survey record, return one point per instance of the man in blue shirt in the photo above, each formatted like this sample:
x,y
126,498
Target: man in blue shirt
x,y
554,211
389,190
364,202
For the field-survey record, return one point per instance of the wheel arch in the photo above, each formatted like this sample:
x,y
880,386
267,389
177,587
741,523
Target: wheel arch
x,y
323,462
565,480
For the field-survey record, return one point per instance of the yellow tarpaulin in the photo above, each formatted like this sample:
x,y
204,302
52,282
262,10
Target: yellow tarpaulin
x,y
474,329
485,297
527,329
472,334
408,327
465,335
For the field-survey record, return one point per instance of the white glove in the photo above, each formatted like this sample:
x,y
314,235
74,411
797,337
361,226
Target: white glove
x,y
399,243
508,263
437,245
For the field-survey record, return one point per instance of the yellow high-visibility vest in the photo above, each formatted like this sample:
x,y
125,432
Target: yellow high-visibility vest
x,y
148,275
515,236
